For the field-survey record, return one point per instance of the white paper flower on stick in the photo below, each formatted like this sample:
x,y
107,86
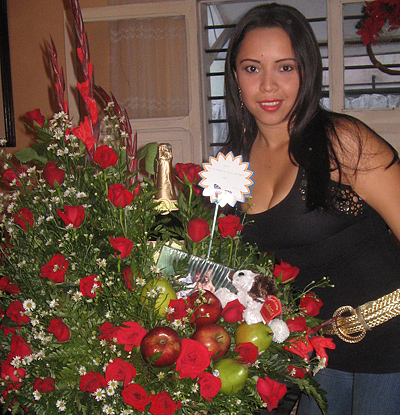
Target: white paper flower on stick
x,y
226,179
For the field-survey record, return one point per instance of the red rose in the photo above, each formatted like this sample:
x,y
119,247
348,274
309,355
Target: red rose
x,y
310,304
123,245
6,286
163,404
233,311
10,178
270,392
248,352
73,215
180,308
35,116
319,344
130,334
85,133
59,330
16,313
198,229
285,271
23,218
19,347
10,373
105,156
119,196
134,395
300,348
128,278
209,385
120,370
193,360
296,372
52,174
229,226
189,170
108,331
44,385
55,269
297,324
91,382
89,286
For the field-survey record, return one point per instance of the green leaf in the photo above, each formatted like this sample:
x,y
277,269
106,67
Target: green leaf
x,y
149,152
29,154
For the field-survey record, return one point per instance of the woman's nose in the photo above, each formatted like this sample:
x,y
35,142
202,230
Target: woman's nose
x,y
268,82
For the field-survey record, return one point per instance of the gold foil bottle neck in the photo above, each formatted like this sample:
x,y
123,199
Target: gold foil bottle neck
x,y
164,183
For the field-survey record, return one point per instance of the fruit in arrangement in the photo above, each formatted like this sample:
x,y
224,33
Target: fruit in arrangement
x,y
259,334
214,337
163,341
206,307
163,291
233,375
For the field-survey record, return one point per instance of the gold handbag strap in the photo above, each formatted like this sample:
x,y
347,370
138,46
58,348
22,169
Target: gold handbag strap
x,y
353,328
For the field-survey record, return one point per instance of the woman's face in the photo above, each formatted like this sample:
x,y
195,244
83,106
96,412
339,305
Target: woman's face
x,y
268,76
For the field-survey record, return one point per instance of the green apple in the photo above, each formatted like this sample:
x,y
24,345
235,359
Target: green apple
x,y
233,375
164,291
259,334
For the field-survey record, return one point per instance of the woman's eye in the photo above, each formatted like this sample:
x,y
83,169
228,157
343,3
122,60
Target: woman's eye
x,y
287,68
251,69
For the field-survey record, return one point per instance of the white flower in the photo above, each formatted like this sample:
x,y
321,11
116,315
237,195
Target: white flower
x,y
77,296
99,394
82,371
60,404
16,362
108,410
280,329
110,391
112,383
36,395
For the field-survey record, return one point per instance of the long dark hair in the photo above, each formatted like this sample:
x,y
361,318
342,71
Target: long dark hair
x,y
309,144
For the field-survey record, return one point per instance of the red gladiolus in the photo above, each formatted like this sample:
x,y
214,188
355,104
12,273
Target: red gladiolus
x,y
300,347
270,392
229,226
59,329
285,271
72,215
55,269
123,245
10,373
85,133
119,196
320,344
89,286
296,372
52,174
23,218
19,347
128,278
105,156
297,324
44,385
311,304
35,116
198,229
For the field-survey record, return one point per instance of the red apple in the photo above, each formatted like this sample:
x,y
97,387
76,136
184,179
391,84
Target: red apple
x,y
164,341
207,307
214,337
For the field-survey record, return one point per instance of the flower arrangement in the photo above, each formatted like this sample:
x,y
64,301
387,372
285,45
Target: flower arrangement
x,y
83,301
375,14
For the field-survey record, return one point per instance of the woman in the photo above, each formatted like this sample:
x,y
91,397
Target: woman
x,y
327,188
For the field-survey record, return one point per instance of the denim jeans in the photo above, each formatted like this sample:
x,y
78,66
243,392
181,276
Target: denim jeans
x,y
355,394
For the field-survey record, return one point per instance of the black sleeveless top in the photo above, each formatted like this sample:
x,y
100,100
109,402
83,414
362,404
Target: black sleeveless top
x,y
353,247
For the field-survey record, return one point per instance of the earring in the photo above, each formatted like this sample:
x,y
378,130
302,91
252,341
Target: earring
x,y
242,108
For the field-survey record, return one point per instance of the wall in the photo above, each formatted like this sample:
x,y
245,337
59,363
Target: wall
x,y
31,22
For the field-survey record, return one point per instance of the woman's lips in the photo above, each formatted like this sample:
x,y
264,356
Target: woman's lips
x,y
270,105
